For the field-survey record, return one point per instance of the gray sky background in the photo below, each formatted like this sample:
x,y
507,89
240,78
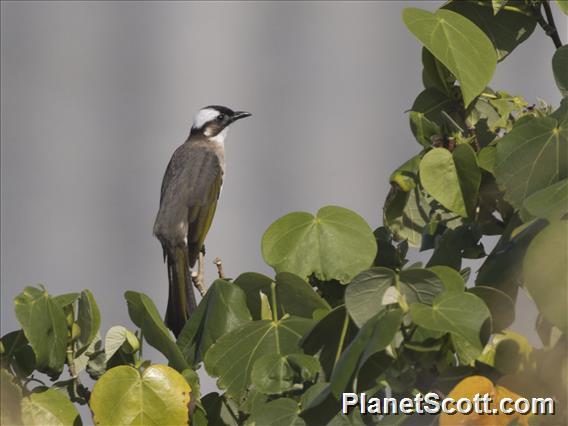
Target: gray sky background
x,y
95,97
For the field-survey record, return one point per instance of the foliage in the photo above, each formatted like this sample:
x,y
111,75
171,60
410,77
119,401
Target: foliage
x,y
344,311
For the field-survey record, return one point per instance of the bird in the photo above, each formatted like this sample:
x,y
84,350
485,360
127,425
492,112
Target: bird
x,y
188,198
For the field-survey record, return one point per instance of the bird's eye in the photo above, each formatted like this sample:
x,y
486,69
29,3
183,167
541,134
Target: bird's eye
x,y
220,117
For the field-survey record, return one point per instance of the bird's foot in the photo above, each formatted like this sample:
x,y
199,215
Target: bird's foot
x,y
198,277
198,282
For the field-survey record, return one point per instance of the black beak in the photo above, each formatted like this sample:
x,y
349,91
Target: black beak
x,y
240,114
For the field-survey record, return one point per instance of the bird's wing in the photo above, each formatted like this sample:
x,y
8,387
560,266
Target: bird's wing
x,y
191,187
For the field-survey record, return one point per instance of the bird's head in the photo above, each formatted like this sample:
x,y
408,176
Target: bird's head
x,y
212,121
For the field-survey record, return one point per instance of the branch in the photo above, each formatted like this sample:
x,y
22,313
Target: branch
x,y
217,262
549,26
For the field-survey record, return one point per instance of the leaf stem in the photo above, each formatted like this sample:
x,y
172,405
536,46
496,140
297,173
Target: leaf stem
x,y
274,306
342,338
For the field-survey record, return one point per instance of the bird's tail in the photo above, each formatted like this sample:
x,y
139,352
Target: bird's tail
x,y
181,299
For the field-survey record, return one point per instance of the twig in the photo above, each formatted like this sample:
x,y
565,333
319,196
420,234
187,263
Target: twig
x,y
217,262
553,30
72,368
549,26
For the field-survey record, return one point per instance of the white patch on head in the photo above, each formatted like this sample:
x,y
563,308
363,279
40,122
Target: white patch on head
x,y
203,116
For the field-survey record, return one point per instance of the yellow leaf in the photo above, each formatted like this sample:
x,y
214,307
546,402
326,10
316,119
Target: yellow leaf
x,y
468,388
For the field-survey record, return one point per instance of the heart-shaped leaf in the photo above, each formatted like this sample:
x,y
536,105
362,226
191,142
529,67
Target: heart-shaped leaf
x,y
233,356
457,43
335,244
531,157
461,314
420,285
453,179
45,327
49,407
222,309
123,396
364,295
506,29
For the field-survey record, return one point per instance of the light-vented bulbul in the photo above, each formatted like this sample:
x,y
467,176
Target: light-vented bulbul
x,y
190,190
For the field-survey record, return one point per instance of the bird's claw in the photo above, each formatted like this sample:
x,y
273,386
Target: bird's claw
x,y
198,277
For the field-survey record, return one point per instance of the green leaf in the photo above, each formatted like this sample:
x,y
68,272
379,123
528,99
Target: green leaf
x,y
280,412
406,211
218,412
324,338
116,336
364,295
49,407
18,353
549,203
452,179
294,295
232,357
461,314
544,268
563,5
45,327
252,284
422,128
89,318
506,29
144,314
560,69
374,336
457,43
435,105
531,157
420,285
297,297
500,305
265,309
486,158
335,244
276,373
406,214
503,267
452,279
123,396
435,75
10,398
305,366
222,309
64,300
